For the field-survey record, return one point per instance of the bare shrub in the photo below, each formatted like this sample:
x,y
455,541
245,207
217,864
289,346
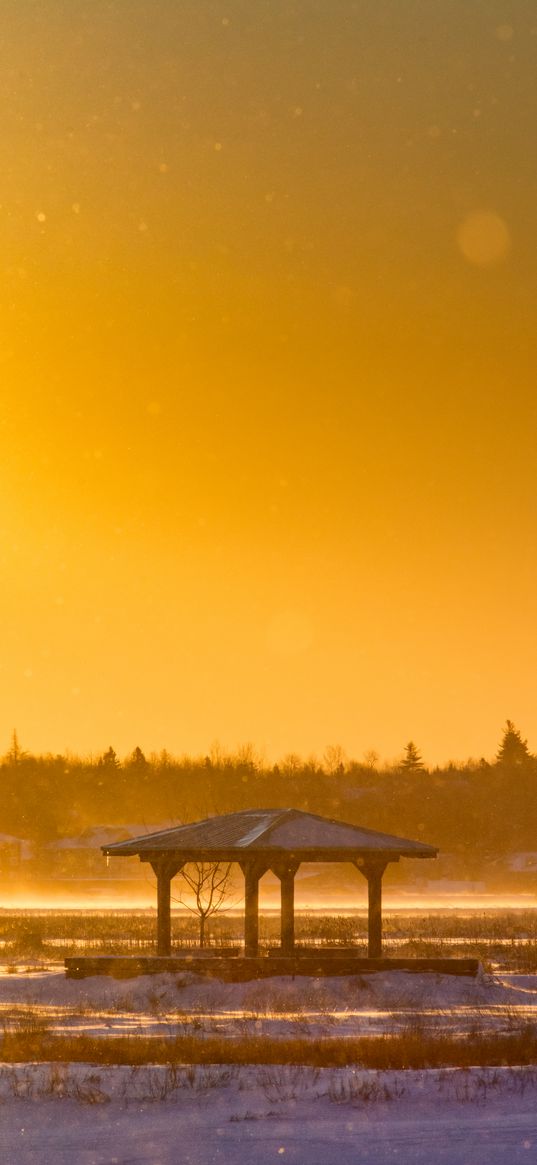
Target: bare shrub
x,y
281,1082
88,1092
204,1077
354,1089
248,1116
55,1083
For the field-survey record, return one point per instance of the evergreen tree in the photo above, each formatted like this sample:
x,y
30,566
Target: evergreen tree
x,y
513,750
109,759
15,754
412,762
138,761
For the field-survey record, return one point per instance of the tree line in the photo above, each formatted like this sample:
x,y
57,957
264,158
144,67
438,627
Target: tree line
x,y
477,809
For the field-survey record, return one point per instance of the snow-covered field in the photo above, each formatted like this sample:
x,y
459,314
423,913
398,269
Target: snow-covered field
x,y
84,1114
346,1005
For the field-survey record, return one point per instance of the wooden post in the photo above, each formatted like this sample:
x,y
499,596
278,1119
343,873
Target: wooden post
x,y
286,874
165,871
373,872
252,873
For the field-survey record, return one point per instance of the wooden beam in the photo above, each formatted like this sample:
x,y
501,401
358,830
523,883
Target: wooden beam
x,y
165,871
373,872
252,871
233,970
265,857
286,874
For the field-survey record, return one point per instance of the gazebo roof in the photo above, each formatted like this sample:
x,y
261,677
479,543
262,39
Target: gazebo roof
x,y
269,832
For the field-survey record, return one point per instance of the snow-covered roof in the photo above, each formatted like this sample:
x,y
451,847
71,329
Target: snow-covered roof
x,y
95,837
269,831
523,861
8,839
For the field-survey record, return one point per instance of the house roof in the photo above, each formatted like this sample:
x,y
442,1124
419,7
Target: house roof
x,y
94,836
269,832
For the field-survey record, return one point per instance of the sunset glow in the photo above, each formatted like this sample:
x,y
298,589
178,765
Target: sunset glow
x,y
267,373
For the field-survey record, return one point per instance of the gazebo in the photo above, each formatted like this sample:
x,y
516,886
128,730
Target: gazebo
x,y
270,839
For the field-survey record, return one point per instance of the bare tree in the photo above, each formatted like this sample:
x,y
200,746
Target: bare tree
x,y
334,759
209,884
371,759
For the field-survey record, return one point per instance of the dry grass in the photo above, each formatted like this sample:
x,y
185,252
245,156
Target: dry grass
x,y
505,938
409,1049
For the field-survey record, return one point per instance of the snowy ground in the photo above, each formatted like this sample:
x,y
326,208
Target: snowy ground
x,y
84,1114
220,1116
347,1005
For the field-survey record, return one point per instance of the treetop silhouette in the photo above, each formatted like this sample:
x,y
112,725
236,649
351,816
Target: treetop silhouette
x,y
513,749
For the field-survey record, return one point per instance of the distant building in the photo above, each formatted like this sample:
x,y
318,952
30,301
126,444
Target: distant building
x,y
79,857
16,856
524,862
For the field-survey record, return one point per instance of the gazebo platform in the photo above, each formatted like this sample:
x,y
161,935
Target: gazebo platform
x,y
239,968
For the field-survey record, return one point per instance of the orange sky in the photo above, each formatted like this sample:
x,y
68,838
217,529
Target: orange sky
x,y
267,368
